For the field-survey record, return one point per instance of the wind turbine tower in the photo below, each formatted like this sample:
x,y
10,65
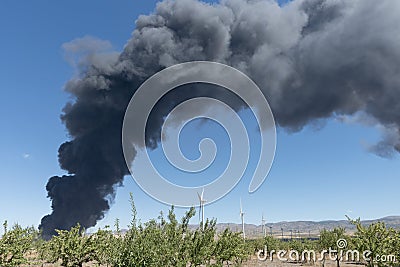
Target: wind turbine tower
x,y
242,218
201,208
264,231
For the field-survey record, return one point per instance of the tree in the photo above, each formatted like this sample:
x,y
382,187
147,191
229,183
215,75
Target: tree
x,y
394,244
163,242
15,244
230,247
108,246
72,247
168,243
376,239
329,240
310,245
201,244
272,244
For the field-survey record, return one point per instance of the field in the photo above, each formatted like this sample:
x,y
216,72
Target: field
x,y
253,262
171,242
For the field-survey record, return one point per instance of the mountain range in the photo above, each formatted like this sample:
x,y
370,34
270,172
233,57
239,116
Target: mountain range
x,y
302,229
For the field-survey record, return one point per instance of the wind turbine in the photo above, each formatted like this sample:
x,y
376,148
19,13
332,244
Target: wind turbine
x,y
264,231
242,218
201,207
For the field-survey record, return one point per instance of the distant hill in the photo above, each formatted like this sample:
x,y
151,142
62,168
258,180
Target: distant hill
x,y
302,228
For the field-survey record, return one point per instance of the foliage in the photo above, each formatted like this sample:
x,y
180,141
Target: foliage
x,y
72,247
108,246
329,240
255,244
168,242
230,247
201,244
394,244
377,239
163,242
15,244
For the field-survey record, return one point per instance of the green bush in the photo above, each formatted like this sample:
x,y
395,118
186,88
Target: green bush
x,y
15,244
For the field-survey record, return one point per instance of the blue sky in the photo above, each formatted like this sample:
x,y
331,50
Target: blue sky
x,y
317,174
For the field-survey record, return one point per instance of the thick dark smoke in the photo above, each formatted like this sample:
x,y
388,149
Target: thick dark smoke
x,y
313,59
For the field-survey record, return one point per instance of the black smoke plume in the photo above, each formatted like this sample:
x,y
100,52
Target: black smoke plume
x,y
313,59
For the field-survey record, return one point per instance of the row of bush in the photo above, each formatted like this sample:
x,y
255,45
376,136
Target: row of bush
x,y
161,242
169,242
376,245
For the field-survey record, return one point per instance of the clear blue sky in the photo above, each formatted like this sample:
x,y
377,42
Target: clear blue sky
x,y
317,174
